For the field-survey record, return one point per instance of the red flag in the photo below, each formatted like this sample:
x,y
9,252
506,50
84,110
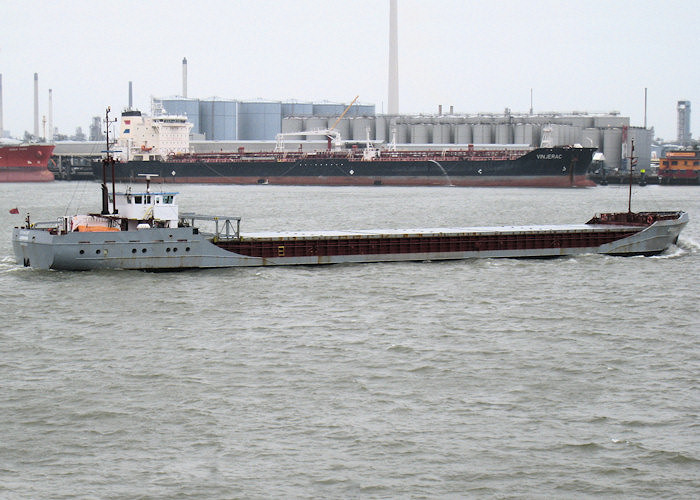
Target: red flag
x,y
14,210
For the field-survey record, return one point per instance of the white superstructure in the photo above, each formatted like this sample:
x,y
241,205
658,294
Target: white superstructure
x,y
148,138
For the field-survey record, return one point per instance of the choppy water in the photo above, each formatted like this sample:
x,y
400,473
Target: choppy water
x,y
575,377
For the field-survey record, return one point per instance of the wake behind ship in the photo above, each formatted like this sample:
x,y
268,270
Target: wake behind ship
x,y
474,165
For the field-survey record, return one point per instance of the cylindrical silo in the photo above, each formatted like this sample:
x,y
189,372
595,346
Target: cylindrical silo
x,y
293,124
612,147
482,133
590,138
315,123
381,130
402,133
359,128
524,133
419,133
441,133
463,133
504,133
343,128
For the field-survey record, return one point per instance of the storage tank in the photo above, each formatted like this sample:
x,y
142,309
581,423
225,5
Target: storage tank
x,y
314,123
293,124
524,133
329,109
343,127
259,120
402,133
365,110
218,119
290,109
359,128
381,129
442,133
590,138
576,134
642,145
611,121
504,133
612,147
463,133
420,133
482,133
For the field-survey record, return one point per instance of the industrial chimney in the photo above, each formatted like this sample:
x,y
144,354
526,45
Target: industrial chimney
x,y
36,104
393,59
49,136
184,77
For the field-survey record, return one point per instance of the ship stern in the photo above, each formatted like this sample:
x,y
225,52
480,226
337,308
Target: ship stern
x,y
32,248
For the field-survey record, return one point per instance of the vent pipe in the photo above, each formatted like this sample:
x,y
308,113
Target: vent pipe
x,y
184,77
36,104
393,59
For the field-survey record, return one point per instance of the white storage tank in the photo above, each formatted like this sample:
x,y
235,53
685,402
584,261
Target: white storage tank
x,y
420,133
504,133
381,129
482,133
524,133
359,128
402,133
612,147
590,138
463,133
642,145
343,128
315,123
441,133
293,124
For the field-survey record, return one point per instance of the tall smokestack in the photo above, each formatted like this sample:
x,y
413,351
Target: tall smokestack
x,y
1,130
184,77
131,97
36,104
49,137
393,59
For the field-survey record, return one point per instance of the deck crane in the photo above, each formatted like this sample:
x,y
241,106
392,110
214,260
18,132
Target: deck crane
x,y
332,134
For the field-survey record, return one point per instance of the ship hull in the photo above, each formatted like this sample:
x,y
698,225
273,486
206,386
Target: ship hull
x,y
25,163
186,248
544,167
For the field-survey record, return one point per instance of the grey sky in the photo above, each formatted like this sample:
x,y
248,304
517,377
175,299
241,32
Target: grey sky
x,y
478,56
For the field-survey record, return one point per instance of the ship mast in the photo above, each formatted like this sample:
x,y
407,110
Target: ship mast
x,y
108,160
633,162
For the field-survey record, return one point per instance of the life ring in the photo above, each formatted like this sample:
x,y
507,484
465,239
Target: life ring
x,y
650,219
603,217
39,153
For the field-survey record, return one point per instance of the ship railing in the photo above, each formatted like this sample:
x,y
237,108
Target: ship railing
x,y
58,226
225,227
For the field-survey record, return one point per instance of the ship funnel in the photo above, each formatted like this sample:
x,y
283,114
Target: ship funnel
x,y
393,59
184,77
36,104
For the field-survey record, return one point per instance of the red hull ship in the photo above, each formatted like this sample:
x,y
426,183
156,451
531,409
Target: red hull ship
x,y
25,162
